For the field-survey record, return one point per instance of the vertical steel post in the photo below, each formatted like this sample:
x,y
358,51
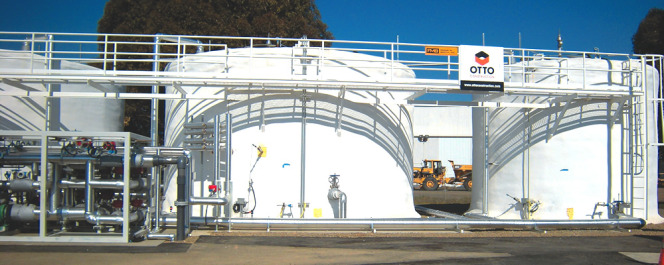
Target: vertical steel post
x,y
217,141
303,151
126,176
42,185
228,194
89,191
609,156
156,177
154,129
485,199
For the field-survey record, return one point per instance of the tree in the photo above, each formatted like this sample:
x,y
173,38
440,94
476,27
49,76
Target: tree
x,y
649,37
250,18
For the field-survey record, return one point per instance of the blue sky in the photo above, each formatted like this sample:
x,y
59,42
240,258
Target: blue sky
x,y
607,25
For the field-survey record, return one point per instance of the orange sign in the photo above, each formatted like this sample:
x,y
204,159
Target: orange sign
x,y
441,50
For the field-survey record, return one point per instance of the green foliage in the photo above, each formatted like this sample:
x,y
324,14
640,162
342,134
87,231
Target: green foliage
x,y
280,18
248,18
649,38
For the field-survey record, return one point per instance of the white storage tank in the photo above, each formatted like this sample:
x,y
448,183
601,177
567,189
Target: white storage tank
x,y
66,114
361,136
564,162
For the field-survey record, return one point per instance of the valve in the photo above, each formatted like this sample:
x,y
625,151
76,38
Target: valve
x,y
213,188
110,147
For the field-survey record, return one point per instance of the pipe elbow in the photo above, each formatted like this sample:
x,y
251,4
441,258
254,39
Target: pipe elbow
x,y
91,218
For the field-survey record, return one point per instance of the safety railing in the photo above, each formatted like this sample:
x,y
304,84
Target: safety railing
x,y
148,55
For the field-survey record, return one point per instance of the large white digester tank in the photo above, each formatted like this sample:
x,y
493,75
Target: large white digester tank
x,y
66,114
287,142
564,162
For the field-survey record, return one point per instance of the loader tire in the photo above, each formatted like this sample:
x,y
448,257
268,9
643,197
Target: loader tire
x,y
430,183
468,184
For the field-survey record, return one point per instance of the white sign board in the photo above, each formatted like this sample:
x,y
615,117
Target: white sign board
x,y
481,68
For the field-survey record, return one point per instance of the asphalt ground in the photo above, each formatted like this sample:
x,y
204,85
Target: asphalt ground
x,y
498,246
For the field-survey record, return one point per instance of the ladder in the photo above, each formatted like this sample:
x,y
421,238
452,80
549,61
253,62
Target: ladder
x,y
634,179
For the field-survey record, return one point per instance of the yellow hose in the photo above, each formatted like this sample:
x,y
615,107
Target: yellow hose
x,y
304,206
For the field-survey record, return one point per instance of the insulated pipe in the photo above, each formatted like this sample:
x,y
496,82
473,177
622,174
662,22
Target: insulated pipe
x,y
413,224
30,213
20,185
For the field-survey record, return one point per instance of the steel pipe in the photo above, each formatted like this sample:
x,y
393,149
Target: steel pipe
x,y
30,213
103,184
55,193
181,203
170,237
163,151
19,185
139,160
111,219
411,224
198,125
207,201
146,161
89,192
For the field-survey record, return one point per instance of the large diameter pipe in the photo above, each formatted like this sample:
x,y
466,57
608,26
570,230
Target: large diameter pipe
x,y
30,213
412,224
55,193
139,160
181,203
21,185
146,161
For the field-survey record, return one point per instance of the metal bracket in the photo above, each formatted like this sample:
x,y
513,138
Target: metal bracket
x,y
551,132
340,108
99,87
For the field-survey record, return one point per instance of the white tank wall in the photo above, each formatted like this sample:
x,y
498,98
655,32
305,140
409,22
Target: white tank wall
x,y
569,171
442,121
68,114
371,153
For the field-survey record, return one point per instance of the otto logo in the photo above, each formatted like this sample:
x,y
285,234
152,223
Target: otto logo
x,y
482,58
